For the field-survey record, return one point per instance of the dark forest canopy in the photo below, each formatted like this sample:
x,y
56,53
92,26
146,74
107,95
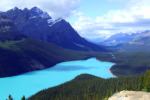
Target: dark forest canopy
x,y
88,87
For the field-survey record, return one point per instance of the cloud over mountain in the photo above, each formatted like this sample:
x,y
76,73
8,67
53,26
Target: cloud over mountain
x,y
134,16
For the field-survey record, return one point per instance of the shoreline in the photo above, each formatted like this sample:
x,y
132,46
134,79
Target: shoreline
x,y
111,72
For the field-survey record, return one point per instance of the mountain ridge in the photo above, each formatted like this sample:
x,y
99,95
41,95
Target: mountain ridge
x,y
37,24
21,54
121,38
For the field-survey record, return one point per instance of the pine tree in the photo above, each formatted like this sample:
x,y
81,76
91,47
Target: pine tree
x,y
145,83
117,87
141,82
108,94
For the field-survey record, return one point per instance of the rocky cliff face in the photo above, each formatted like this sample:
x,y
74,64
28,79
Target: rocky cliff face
x,y
39,25
8,30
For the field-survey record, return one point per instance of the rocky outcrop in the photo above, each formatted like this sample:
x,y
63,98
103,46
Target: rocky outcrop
x,y
131,95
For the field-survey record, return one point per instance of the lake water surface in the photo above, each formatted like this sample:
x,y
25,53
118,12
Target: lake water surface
x,y
30,83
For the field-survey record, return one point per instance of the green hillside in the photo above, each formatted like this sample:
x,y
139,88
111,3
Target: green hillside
x,y
130,63
28,54
87,87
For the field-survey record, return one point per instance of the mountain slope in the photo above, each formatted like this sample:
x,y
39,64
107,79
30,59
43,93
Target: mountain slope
x,y
8,30
20,54
87,87
64,35
39,25
29,54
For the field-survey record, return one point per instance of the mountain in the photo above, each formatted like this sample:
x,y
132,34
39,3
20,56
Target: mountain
x,y
118,39
20,54
39,25
140,43
8,30
122,38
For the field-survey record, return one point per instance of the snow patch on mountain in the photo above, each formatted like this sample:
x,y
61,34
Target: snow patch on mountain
x,y
40,13
44,15
32,17
52,22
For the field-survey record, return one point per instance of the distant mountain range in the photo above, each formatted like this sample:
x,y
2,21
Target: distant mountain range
x,y
37,24
122,38
140,44
125,42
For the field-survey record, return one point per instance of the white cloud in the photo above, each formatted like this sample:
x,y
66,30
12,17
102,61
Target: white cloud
x,y
56,8
134,16
129,19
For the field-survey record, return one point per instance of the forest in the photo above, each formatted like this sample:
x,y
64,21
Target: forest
x,y
88,87
130,63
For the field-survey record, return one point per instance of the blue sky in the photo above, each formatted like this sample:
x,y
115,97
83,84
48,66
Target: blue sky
x,y
94,8
93,18
103,18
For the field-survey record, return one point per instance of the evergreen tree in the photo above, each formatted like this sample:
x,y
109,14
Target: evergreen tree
x,y
147,81
141,82
117,87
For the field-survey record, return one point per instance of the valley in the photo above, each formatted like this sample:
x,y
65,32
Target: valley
x,y
58,74
38,51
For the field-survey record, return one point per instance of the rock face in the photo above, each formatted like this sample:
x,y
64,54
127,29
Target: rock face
x,y
8,30
39,25
130,95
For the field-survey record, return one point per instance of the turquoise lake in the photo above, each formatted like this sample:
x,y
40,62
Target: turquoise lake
x,y
30,83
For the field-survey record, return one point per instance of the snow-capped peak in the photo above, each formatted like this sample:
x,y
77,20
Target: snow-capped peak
x,y
58,20
50,22
36,12
39,12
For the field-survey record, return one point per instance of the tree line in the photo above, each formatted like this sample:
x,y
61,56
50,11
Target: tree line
x,y
88,87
